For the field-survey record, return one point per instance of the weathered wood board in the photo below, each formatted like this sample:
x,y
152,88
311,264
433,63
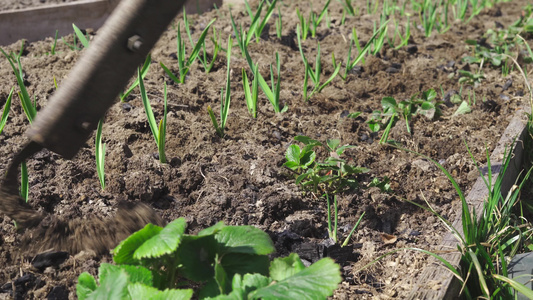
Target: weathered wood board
x,y
38,23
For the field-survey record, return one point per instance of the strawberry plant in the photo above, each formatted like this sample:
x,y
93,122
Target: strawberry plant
x,y
333,175
226,262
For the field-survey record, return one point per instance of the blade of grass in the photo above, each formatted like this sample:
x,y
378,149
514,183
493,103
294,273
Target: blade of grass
x,y
100,154
144,71
83,39
5,113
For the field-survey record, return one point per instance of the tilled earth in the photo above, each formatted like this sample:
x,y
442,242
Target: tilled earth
x,y
240,179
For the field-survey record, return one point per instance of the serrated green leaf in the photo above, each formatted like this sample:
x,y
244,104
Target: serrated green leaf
x,y
464,108
291,165
212,230
139,291
114,286
333,144
301,177
221,278
135,273
307,140
341,149
85,286
429,95
293,154
244,239
316,282
241,287
123,253
165,242
197,255
285,267
240,263
307,158
388,104
354,115
427,105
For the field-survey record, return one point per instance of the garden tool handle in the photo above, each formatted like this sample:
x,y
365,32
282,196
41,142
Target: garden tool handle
x,y
120,46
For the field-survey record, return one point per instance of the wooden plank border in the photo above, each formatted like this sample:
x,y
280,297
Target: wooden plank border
x,y
435,281
35,24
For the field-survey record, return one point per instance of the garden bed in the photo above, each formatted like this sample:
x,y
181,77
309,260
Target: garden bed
x,y
240,179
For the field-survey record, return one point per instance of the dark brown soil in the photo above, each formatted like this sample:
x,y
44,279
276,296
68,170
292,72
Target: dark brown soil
x,y
240,179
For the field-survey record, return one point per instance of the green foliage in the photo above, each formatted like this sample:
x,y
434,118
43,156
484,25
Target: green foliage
x,y
348,7
7,108
332,175
315,74
78,36
225,98
361,52
158,132
470,78
426,105
204,57
250,95
273,93
497,44
100,154
185,63
144,71
257,27
227,262
28,106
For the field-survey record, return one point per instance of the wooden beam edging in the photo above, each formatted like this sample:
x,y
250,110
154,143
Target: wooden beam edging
x,y
33,24
437,282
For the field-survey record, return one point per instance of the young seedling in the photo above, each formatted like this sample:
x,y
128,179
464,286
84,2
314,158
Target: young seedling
x,y
379,40
225,98
312,23
361,52
158,132
332,229
251,95
5,113
29,108
348,7
279,24
315,74
100,154
428,17
204,57
144,71
184,63
315,20
332,176
243,38
257,27
304,25
273,93
78,36
404,40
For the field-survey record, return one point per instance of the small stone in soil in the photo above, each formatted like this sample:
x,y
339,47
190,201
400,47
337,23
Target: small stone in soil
x,y
412,49
415,233
126,107
507,85
504,97
58,293
47,259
